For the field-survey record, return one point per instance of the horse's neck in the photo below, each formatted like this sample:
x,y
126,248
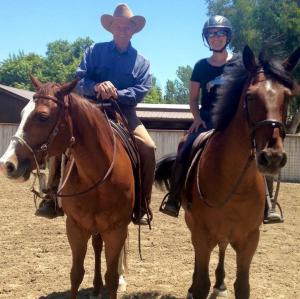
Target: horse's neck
x,y
237,135
231,146
93,138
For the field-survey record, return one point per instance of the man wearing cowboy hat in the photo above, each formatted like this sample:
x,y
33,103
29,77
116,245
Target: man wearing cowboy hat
x,y
116,70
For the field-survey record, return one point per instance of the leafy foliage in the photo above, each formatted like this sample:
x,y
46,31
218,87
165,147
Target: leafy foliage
x,y
14,70
154,96
59,65
177,91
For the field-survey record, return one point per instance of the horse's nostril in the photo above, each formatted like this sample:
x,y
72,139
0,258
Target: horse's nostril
x,y
263,159
283,160
10,167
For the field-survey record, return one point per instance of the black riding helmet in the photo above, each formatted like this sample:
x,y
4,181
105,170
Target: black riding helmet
x,y
217,22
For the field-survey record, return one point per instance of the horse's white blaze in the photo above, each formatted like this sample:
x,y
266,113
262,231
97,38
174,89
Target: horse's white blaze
x,y
25,114
10,153
271,91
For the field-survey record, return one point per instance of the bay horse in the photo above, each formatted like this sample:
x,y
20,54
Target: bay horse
x,y
224,197
98,195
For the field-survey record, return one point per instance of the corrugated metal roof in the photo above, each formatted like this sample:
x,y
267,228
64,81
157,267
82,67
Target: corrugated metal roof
x,y
25,94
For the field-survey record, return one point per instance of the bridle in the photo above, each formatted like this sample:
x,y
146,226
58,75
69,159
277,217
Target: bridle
x,y
273,123
43,149
254,126
45,146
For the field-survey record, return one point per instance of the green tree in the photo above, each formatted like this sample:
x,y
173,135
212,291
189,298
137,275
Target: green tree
x,y
62,59
14,70
154,96
272,25
170,92
59,65
177,91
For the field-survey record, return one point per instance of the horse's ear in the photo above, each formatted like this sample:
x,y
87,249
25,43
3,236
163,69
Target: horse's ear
x,y
36,83
249,60
68,87
290,62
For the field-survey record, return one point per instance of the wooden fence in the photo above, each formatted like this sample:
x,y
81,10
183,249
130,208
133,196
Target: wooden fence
x,y
166,142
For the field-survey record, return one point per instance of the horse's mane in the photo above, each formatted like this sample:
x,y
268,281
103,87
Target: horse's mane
x,y
228,95
84,103
235,76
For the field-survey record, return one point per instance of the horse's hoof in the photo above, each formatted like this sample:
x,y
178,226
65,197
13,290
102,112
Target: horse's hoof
x,y
122,284
189,295
220,293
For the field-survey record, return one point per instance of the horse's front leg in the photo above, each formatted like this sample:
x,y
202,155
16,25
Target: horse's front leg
x,y
201,282
245,250
220,288
114,242
78,239
97,243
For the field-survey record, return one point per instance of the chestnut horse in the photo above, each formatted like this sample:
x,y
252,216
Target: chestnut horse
x,y
98,195
224,198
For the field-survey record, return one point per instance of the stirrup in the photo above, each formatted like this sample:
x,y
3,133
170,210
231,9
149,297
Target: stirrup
x,y
168,209
274,217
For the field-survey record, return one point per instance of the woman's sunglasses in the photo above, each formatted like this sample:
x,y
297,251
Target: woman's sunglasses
x,y
218,33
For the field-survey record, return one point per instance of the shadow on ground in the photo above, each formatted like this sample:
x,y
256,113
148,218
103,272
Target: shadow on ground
x,y
84,294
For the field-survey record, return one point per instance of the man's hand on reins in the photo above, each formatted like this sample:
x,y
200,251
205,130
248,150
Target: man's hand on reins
x,y
105,90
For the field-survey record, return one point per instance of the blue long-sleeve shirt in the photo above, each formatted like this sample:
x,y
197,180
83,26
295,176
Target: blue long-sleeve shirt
x,y
128,71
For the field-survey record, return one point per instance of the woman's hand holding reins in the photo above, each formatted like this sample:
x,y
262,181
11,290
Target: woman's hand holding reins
x,y
197,123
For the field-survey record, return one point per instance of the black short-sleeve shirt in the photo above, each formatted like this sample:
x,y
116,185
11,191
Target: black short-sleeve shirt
x,y
210,78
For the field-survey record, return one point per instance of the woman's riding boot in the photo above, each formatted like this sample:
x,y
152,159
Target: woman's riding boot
x,y
270,214
172,201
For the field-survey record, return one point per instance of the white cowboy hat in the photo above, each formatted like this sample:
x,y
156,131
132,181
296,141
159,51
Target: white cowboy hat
x,y
121,13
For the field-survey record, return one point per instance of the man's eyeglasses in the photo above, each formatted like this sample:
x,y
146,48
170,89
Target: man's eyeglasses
x,y
218,33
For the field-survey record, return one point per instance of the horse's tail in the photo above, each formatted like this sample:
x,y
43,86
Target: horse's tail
x,y
163,171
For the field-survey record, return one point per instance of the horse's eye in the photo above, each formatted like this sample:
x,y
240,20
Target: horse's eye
x,y
42,117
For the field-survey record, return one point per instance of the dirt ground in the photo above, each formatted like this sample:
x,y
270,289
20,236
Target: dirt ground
x,y
36,259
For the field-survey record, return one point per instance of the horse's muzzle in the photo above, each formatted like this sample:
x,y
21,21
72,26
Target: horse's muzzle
x,y
11,171
270,161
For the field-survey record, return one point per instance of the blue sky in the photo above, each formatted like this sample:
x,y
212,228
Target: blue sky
x,y
171,37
